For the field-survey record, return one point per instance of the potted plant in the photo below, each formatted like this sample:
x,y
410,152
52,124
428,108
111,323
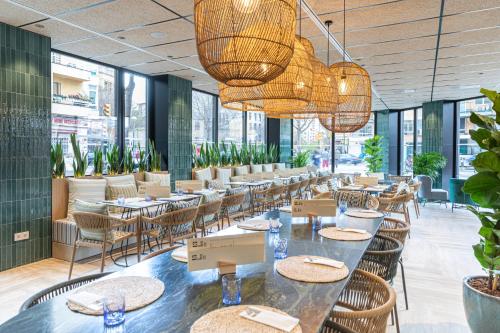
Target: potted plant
x,y
128,161
59,183
481,294
301,159
429,164
142,164
98,162
113,159
272,154
155,156
57,160
235,155
80,161
374,154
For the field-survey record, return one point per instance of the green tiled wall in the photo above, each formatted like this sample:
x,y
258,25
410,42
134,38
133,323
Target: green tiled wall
x,y
382,119
179,128
25,183
285,140
432,130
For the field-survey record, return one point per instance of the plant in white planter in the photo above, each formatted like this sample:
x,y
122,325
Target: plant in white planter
x,y
482,293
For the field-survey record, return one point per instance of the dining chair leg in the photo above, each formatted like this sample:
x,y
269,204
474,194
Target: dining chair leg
x,y
103,254
404,282
73,256
396,317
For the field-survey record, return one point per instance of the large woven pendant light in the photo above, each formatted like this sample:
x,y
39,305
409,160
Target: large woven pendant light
x,y
245,43
293,87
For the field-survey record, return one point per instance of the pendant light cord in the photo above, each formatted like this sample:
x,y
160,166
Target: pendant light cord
x,y
328,23
300,18
344,30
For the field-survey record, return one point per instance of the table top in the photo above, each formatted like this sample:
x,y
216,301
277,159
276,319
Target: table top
x,y
377,188
133,203
189,295
255,183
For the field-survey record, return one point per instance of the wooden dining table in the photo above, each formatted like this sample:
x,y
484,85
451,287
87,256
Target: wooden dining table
x,y
190,295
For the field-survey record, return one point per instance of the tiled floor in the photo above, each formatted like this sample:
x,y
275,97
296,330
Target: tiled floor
x,y
437,257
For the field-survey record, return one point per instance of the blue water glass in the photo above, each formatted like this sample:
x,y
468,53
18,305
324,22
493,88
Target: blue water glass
x,y
114,309
280,248
231,289
274,226
343,207
148,198
316,223
180,191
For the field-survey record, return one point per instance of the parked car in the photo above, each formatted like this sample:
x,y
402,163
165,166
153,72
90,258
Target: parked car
x,y
349,159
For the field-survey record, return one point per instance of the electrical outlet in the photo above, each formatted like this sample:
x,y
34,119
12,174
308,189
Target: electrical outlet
x,y
21,236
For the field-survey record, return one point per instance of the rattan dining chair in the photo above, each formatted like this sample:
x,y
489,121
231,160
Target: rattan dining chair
x,y
232,208
98,232
260,199
291,192
178,224
207,216
356,199
275,197
313,181
415,188
59,289
397,204
161,251
365,304
323,179
333,327
381,259
323,195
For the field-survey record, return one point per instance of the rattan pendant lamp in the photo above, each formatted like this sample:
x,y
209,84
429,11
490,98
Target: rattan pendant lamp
x,y
244,43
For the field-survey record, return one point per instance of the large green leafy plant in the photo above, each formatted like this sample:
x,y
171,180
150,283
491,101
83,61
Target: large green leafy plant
x,y
429,164
301,159
57,160
484,188
80,161
374,153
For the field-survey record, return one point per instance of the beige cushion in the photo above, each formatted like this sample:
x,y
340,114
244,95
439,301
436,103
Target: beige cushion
x,y
203,174
127,191
280,166
239,178
224,174
163,178
90,207
118,180
90,190
143,187
267,168
241,170
256,168
267,175
215,184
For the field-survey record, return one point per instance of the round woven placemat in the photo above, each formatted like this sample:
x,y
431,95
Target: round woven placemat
x,y
336,234
180,254
229,320
296,269
364,213
256,225
138,291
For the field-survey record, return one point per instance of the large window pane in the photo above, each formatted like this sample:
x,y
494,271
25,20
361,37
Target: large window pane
x,y
83,102
468,148
256,127
349,149
408,138
418,136
308,134
230,126
203,117
135,112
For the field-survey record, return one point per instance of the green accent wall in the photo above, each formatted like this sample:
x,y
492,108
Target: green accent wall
x,y
382,126
285,140
25,177
179,94
432,130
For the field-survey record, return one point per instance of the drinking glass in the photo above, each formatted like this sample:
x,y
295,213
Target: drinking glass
x,y
231,289
316,223
120,200
280,248
343,207
180,191
114,309
148,198
274,225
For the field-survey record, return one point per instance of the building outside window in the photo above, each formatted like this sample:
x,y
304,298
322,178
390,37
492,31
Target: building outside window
x,y
134,104
407,142
308,134
418,135
468,148
203,117
230,126
256,127
349,149
83,102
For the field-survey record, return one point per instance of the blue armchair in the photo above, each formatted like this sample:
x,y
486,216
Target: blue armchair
x,y
457,195
427,193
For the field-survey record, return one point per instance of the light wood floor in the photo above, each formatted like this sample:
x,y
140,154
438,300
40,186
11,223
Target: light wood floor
x,y
437,257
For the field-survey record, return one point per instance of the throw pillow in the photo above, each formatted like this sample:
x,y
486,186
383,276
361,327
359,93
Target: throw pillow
x,y
162,178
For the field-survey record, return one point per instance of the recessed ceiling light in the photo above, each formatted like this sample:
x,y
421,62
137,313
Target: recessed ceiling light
x,y
40,26
409,91
120,37
472,86
157,34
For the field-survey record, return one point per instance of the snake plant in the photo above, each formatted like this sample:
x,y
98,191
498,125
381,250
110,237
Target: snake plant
x,y
155,157
57,160
98,162
143,159
80,161
128,161
113,159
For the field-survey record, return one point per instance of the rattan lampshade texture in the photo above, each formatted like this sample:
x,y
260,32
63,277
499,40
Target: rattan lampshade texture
x,y
245,43
292,88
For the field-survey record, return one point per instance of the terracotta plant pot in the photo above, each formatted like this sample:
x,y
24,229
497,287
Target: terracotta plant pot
x,y
482,310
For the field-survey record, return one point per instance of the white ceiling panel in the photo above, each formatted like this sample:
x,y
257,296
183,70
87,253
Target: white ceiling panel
x,y
127,58
59,7
156,67
181,7
175,50
471,37
14,15
473,20
59,32
94,47
463,6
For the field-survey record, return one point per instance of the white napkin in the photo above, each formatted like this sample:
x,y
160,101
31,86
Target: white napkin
x,y
86,300
325,262
286,209
359,231
282,322
181,252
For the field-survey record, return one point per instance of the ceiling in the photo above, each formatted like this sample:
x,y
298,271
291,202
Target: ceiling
x,y
412,52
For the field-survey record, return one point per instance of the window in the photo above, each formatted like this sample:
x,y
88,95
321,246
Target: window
x,y
134,104
468,148
230,126
256,127
349,149
83,102
407,142
308,134
418,135
203,117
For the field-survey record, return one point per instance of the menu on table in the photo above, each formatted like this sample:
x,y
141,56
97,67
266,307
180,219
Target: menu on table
x,y
240,249
318,207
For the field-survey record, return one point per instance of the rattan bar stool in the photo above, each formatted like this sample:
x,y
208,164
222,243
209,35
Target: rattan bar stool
x,y
59,289
178,224
365,304
208,216
230,203
382,259
98,232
